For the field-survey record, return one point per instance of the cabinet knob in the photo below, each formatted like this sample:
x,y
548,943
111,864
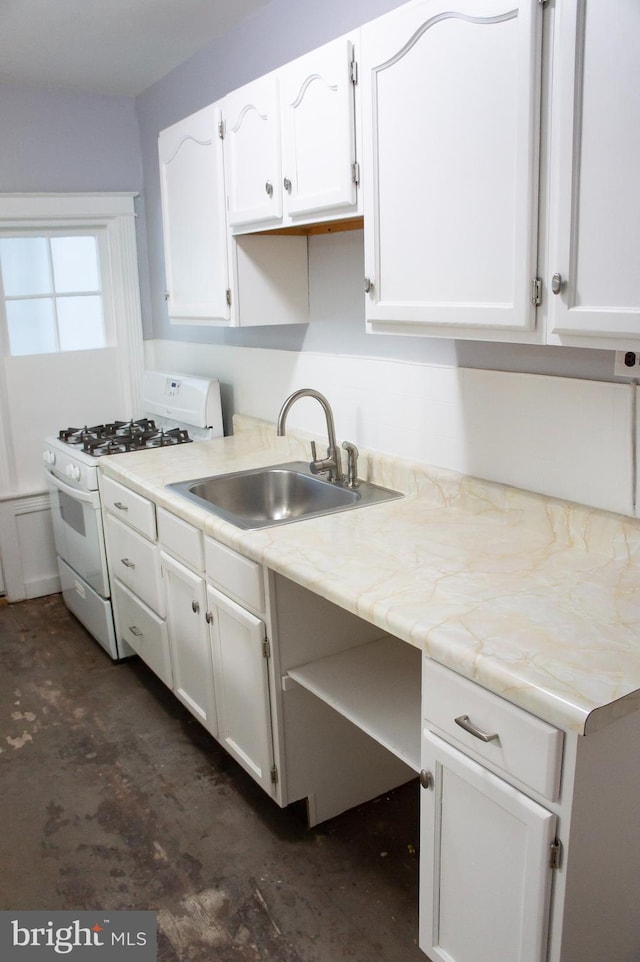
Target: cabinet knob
x,y
556,283
368,285
269,188
426,779
209,617
195,607
287,185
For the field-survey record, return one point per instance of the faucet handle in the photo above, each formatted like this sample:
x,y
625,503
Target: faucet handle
x,y
314,451
352,463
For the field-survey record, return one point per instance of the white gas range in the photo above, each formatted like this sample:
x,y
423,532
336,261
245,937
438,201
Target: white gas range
x,y
178,409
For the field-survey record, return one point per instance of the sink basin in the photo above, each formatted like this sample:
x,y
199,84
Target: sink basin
x,y
277,494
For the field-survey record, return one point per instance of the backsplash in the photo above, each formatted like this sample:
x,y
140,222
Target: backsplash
x,y
564,437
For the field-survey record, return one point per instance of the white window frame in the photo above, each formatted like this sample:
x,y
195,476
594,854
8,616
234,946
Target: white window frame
x,y
113,213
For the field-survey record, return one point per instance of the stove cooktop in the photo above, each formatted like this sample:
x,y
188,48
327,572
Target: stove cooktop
x,y
121,436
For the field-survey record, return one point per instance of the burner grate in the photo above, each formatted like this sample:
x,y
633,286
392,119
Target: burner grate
x,y
119,437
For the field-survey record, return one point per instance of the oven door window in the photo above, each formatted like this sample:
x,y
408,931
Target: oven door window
x,y
72,514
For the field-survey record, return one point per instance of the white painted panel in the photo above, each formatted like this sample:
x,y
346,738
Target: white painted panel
x,y
47,392
564,437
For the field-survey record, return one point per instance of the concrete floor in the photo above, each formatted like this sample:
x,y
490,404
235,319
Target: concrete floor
x,y
112,796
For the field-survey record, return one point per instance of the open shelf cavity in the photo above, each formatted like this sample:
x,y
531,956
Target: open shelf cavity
x,y
377,687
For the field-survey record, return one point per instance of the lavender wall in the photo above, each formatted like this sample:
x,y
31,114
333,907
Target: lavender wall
x,y
56,141
60,141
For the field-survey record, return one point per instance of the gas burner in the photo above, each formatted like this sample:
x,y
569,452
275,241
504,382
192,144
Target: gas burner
x,y
80,435
130,429
164,438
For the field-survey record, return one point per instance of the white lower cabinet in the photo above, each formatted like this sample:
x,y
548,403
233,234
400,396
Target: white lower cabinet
x,y
486,846
219,648
485,875
240,652
189,640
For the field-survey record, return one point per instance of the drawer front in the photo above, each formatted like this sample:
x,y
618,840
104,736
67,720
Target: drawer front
x,y
130,507
234,575
525,748
135,562
144,631
181,539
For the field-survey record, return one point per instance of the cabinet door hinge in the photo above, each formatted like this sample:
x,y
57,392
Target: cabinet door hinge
x,y
274,775
266,648
221,129
353,72
355,173
555,856
228,295
536,291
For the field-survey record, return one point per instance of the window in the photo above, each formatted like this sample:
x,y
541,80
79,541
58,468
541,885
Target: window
x,y
52,289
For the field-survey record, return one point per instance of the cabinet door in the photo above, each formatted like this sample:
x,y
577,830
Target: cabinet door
x,y
194,218
242,686
451,101
189,641
252,153
317,103
484,864
595,201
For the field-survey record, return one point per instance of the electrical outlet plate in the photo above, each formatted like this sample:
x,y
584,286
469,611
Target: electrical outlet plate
x,y
627,364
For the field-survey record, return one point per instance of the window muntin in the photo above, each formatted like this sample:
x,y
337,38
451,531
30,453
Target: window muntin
x,y
52,292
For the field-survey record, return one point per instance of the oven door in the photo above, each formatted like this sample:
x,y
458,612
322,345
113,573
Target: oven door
x,y
78,532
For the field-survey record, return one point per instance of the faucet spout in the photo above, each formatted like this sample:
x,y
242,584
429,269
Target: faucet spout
x,y
332,464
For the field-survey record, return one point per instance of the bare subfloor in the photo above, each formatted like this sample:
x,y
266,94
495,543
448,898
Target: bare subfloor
x,y
112,796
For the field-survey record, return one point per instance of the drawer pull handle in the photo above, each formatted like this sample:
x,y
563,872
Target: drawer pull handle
x,y
135,631
127,563
120,506
464,722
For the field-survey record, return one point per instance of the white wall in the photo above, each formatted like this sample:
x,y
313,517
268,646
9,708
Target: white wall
x,y
563,437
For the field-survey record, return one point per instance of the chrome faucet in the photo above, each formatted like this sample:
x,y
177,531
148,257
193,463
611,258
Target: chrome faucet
x,y
332,464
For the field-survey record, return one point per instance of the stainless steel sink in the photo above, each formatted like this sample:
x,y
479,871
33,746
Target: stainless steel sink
x,y
277,494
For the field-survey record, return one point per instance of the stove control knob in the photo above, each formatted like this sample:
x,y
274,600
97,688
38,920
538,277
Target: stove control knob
x,y
73,471
49,457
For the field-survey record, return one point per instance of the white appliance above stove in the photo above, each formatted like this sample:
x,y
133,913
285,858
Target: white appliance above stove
x,y
190,401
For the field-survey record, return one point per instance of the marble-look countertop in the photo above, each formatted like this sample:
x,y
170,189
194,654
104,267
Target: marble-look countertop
x,y
536,599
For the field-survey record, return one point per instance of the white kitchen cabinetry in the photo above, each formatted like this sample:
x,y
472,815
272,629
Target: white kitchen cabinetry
x,y
485,857
290,143
240,651
451,101
189,641
194,223
136,580
212,278
485,878
595,189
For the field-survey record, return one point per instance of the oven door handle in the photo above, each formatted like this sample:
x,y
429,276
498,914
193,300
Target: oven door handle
x,y
86,497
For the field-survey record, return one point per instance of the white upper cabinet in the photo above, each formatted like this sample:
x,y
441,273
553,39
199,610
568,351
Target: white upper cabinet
x,y
595,187
194,218
252,149
212,277
451,103
290,143
317,109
